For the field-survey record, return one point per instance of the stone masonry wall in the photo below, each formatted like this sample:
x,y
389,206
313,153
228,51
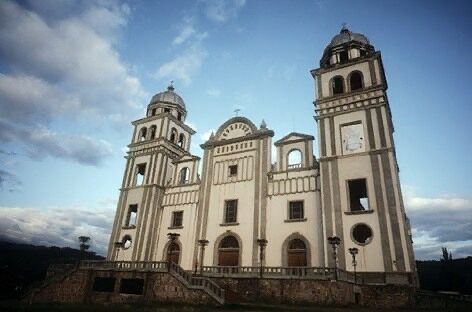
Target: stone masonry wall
x,y
78,287
314,292
70,288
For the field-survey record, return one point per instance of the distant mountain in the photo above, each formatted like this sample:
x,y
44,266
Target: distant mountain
x,y
21,265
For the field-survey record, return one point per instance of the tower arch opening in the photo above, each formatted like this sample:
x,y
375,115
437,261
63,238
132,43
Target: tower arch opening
x,y
356,81
337,85
184,175
181,142
294,159
142,134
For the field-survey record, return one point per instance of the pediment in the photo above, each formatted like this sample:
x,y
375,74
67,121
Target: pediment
x,y
235,128
294,137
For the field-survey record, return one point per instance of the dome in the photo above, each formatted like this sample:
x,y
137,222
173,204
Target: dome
x,y
345,35
168,97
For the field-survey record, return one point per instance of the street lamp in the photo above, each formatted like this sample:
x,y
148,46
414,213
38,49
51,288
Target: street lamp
x,y
262,243
172,238
334,241
202,243
354,251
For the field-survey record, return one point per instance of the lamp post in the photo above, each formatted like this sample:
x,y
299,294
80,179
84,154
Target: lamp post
x,y
202,243
172,238
354,251
262,243
334,241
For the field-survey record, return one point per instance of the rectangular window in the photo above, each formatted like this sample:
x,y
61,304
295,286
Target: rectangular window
x,y
177,218
133,286
166,110
105,284
233,170
358,199
140,170
231,210
296,210
153,112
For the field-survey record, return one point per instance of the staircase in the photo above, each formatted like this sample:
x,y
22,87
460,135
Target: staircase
x,y
192,282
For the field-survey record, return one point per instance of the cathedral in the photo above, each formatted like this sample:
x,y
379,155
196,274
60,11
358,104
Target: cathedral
x,y
240,209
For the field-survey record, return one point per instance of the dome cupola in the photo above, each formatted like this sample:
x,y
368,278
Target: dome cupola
x,y
344,47
168,97
167,102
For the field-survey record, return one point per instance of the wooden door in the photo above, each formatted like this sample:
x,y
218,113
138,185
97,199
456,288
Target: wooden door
x,y
228,257
296,258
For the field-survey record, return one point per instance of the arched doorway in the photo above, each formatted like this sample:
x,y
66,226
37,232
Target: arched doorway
x,y
228,251
296,253
174,253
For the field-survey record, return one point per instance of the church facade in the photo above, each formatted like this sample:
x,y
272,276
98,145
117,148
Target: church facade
x,y
241,198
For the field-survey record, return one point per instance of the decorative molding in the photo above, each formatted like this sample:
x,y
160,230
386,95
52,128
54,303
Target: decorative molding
x,y
295,220
292,186
229,224
359,212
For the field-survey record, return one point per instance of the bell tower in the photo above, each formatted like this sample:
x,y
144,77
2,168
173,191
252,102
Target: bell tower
x,y
160,139
360,190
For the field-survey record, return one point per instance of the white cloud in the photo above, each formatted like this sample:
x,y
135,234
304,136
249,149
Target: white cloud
x,y
62,65
40,142
222,10
57,226
184,34
183,66
442,221
206,135
214,92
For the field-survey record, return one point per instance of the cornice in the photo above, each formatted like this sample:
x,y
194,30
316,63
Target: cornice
x,y
342,96
162,116
371,152
302,137
359,60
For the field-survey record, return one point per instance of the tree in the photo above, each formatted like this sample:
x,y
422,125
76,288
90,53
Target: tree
x,y
446,256
83,240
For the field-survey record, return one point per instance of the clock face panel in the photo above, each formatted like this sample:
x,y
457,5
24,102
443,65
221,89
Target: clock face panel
x,y
353,138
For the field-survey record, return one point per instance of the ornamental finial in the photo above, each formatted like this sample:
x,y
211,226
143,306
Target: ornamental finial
x,y
171,86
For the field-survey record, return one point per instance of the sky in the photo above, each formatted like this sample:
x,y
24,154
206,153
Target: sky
x,y
74,74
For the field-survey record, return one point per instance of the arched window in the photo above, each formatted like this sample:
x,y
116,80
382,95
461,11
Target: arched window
x,y
296,253
153,130
181,140
142,134
294,159
228,251
355,81
337,85
173,253
184,176
173,135
126,242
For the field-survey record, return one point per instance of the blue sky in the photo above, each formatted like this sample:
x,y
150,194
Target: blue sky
x,y
74,74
